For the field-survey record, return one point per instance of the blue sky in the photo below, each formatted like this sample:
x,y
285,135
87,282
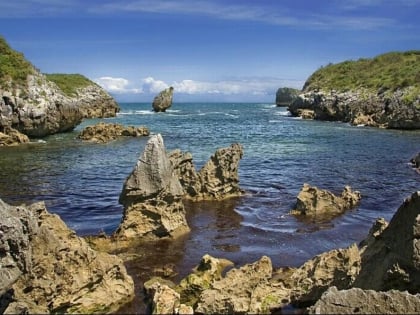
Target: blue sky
x,y
208,50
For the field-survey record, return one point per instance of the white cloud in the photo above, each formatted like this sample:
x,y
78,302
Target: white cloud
x,y
117,85
153,86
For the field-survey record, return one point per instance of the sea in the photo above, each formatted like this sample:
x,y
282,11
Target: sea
x,y
81,182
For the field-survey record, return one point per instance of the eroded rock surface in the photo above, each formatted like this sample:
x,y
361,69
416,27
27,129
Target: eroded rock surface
x,y
60,271
152,196
313,201
12,137
217,180
358,301
105,132
163,100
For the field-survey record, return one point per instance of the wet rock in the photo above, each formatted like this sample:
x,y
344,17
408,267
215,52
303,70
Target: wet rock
x,y
306,113
105,132
12,137
163,100
391,260
152,196
313,201
415,161
359,301
65,274
217,180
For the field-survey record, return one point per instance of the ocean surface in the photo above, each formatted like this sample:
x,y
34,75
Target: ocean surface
x,y
82,181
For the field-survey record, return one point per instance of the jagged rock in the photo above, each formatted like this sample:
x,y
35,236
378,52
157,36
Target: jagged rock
x,y
386,110
152,196
285,96
391,260
337,267
218,179
359,301
306,113
415,161
65,273
17,226
163,100
105,132
11,137
95,102
312,201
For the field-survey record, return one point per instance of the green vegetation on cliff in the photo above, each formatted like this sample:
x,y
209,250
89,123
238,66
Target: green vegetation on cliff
x,y
14,68
69,83
390,71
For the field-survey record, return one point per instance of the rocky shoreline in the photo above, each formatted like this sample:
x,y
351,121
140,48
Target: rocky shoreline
x,y
44,261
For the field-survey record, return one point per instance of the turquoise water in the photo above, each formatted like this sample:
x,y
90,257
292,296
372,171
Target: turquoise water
x,y
81,181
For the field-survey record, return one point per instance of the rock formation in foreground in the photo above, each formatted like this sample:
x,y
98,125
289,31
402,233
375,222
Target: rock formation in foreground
x,y
46,268
152,196
12,137
415,161
105,132
313,201
340,280
217,180
163,100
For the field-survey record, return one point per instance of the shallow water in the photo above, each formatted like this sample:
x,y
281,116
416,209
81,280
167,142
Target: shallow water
x,y
81,181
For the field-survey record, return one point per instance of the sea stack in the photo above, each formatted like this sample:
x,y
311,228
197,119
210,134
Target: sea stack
x,y
163,100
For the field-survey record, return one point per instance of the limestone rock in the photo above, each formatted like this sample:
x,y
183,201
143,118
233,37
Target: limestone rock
x,y
105,132
163,100
217,180
11,137
65,274
95,102
365,107
312,201
392,259
359,301
152,196
285,96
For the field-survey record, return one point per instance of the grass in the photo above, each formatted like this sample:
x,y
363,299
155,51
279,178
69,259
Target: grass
x,y
14,68
69,83
390,71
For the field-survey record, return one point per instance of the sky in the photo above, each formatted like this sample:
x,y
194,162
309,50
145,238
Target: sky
x,y
208,50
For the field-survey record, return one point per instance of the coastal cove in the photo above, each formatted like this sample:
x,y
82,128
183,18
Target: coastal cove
x,y
82,181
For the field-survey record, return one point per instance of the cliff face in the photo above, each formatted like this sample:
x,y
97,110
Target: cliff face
x,y
36,106
381,92
285,96
396,110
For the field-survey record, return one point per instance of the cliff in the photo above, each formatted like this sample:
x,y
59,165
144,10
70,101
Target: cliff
x,y
285,96
34,105
381,92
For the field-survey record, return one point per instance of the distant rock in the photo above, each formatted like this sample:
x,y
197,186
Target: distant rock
x,y
218,179
59,271
163,100
105,132
358,301
152,196
313,201
285,96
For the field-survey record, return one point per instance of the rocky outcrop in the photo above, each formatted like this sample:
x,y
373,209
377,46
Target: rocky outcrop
x,y
39,109
218,179
358,301
285,96
163,100
105,132
95,102
152,196
398,110
313,201
391,260
60,272
12,137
